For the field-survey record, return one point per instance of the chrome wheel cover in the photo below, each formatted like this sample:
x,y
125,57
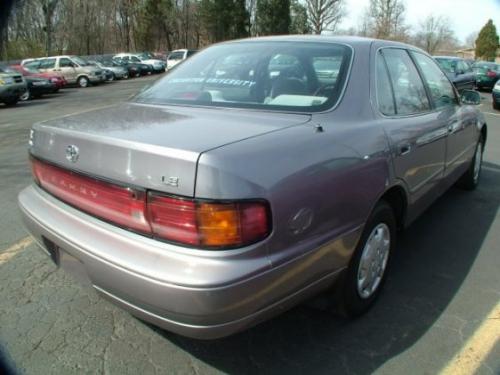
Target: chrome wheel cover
x,y
373,260
84,82
477,161
25,96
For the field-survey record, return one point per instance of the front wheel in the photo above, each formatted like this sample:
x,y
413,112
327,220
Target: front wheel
x,y
470,179
11,102
26,96
83,82
366,274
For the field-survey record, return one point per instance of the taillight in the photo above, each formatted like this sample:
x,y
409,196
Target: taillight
x,y
197,223
491,74
208,224
123,206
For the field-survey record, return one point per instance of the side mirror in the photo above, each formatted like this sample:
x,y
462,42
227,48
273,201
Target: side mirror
x,y
470,97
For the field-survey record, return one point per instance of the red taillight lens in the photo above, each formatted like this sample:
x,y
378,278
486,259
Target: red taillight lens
x,y
123,206
173,219
195,223
208,224
491,74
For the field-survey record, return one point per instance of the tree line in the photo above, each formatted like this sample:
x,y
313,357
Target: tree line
x,y
85,27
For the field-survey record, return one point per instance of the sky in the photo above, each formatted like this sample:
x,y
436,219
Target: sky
x,y
466,16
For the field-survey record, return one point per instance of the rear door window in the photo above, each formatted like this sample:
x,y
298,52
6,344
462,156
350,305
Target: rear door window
x,y
409,90
47,63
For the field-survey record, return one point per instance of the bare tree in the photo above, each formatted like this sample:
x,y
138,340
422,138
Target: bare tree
x,y
470,41
433,33
324,15
49,10
385,20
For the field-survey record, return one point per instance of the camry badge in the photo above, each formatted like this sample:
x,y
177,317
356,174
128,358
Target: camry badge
x,y
72,153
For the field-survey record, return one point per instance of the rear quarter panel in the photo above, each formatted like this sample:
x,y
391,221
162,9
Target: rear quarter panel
x,y
321,185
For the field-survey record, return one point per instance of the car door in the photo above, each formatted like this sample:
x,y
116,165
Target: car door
x,y
458,120
67,69
416,133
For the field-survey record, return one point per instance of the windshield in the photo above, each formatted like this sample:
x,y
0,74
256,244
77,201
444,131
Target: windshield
x,y
448,65
30,69
145,56
6,69
306,77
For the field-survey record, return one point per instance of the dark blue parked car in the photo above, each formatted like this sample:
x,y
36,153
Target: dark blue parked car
x,y
458,71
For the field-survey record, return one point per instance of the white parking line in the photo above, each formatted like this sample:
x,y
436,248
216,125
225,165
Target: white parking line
x,y
478,346
491,113
12,251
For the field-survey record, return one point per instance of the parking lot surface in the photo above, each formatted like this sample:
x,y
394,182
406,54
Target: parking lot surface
x,y
439,312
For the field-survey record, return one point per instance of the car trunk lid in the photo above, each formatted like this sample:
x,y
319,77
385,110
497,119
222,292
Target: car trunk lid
x,y
147,146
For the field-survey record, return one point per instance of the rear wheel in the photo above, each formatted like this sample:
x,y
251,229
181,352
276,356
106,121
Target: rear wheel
x,y
470,179
496,105
125,76
366,274
83,82
112,77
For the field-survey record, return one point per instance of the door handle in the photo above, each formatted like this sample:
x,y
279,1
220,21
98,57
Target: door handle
x,y
454,127
404,149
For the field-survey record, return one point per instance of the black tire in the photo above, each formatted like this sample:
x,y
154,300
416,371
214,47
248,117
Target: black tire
x,y
112,77
470,179
125,76
11,102
83,82
350,301
496,106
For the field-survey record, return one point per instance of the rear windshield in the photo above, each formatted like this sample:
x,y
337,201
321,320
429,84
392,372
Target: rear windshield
x,y
485,67
305,77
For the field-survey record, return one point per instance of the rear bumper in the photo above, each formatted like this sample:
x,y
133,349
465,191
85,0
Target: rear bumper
x,y
185,291
496,96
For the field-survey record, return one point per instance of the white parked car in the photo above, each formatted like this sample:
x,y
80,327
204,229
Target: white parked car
x,y
179,55
144,58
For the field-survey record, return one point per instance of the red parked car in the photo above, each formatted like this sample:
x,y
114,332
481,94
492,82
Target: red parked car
x,y
58,80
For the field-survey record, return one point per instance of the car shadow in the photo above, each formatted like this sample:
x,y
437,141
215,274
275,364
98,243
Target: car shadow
x,y
435,254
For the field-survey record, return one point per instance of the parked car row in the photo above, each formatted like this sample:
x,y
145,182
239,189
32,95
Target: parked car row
x,y
34,77
469,74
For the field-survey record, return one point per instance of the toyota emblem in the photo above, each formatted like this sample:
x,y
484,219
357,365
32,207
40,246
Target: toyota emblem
x,y
72,153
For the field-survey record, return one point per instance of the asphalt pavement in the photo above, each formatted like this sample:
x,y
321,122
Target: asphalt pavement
x,y
439,312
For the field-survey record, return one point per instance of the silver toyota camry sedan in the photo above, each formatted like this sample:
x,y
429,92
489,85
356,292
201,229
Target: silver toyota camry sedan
x,y
254,175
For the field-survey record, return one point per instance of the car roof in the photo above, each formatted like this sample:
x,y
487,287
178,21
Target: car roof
x,y
448,57
351,40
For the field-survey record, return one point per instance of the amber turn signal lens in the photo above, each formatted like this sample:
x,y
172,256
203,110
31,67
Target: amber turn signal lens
x,y
218,224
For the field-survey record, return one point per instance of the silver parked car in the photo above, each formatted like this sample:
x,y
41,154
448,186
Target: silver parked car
x,y
224,194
